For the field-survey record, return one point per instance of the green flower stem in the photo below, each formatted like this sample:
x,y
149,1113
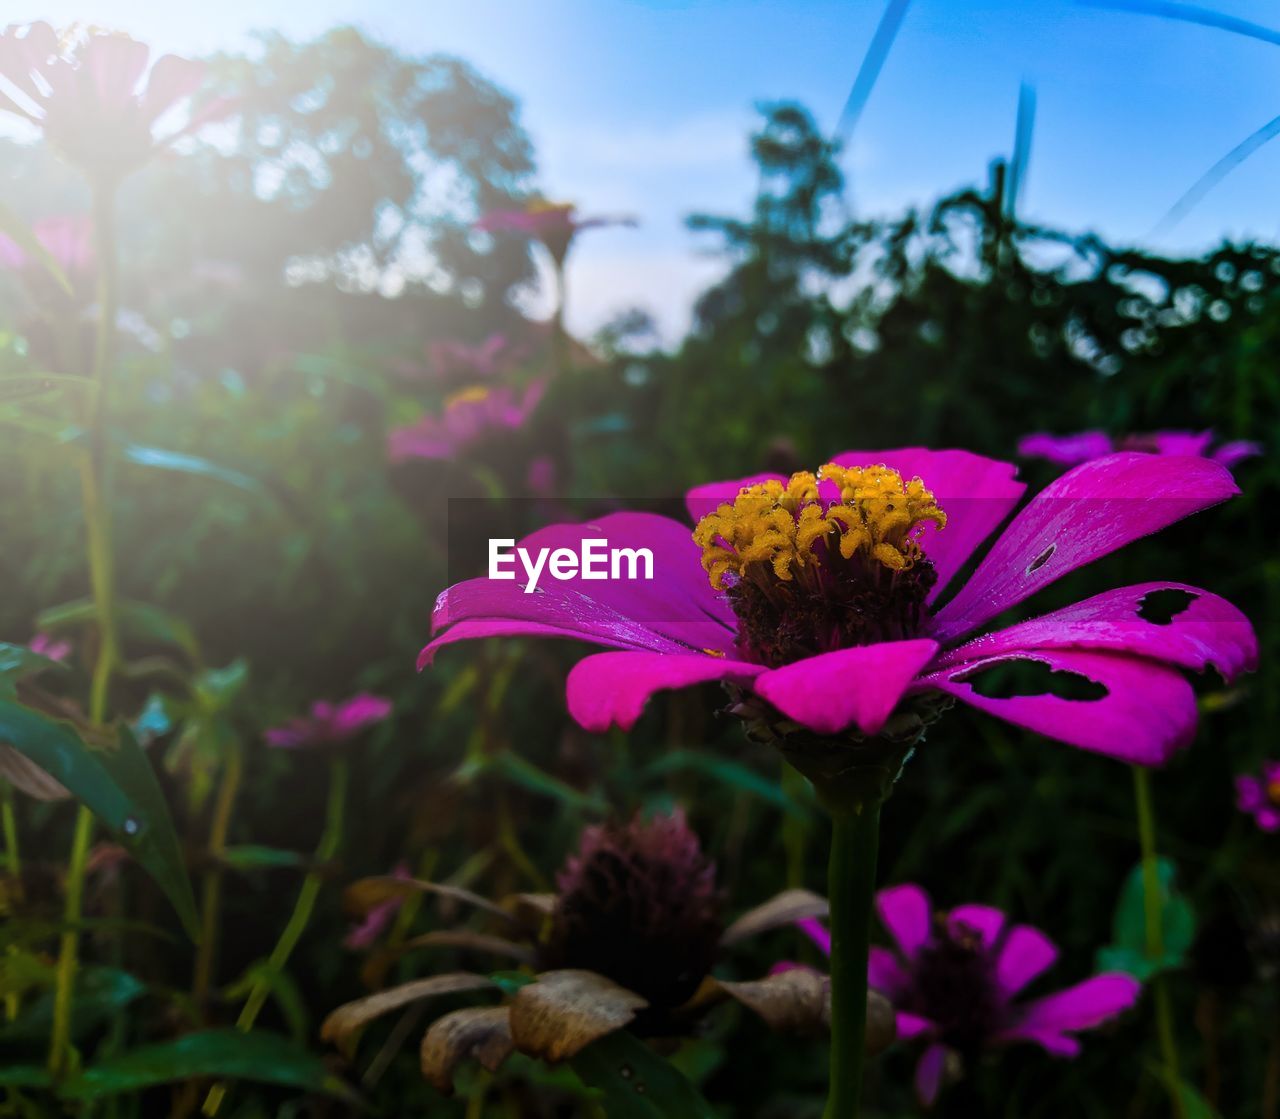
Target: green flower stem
x,y
211,900
1153,908
330,840
94,483
13,868
851,883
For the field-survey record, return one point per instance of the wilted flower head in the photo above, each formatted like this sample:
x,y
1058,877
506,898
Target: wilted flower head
x,y
638,904
555,224
92,95
469,417
330,724
814,599
1070,450
955,980
1259,796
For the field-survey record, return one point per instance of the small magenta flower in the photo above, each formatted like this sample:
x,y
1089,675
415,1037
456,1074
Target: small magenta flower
x,y
955,981
330,724
554,224
54,648
1070,450
1260,796
369,929
86,91
814,599
470,417
68,239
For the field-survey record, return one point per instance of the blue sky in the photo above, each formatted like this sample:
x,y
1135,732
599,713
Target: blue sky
x,y
643,106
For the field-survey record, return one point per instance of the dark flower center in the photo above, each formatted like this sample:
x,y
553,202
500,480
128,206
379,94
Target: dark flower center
x,y
823,562
639,905
954,985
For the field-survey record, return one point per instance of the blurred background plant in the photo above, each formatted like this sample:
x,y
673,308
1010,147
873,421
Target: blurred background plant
x,y
303,279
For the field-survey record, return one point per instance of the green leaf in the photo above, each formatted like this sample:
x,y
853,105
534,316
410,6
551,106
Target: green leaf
x,y
527,775
118,786
20,234
636,1083
1128,952
259,1056
28,386
100,993
135,619
250,856
24,1076
160,459
732,774
218,687
17,661
282,989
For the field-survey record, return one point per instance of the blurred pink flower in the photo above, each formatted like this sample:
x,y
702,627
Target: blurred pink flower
x,y
954,981
540,478
330,724
1260,796
555,224
468,417
453,360
1070,450
86,91
364,935
67,237
55,648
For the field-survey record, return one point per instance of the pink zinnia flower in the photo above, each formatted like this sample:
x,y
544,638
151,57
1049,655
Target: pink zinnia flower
x,y
1070,450
469,417
555,224
87,93
954,981
69,240
815,599
1260,796
330,724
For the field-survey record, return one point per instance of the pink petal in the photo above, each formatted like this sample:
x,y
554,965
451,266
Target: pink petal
x,y
976,493
477,629
912,1026
885,973
816,931
677,604
1182,442
610,689
929,1072
907,915
985,920
1249,793
1066,450
114,64
1235,452
1267,818
704,499
172,79
1087,513
1026,953
859,686
1081,1007
1209,631
359,712
1148,713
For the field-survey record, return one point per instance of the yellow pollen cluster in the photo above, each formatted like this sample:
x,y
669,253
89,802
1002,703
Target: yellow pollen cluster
x,y
778,524
473,395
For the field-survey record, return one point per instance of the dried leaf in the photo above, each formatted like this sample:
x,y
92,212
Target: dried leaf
x,y
25,776
533,909
799,1001
561,1012
783,909
478,1033
367,893
375,968
343,1026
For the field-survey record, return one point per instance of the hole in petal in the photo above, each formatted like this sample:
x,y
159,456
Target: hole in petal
x,y
1161,607
1042,559
1021,677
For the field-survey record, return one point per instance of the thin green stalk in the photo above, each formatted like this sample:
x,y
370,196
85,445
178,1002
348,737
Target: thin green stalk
x,y
1152,907
851,883
94,486
211,900
302,910
13,867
